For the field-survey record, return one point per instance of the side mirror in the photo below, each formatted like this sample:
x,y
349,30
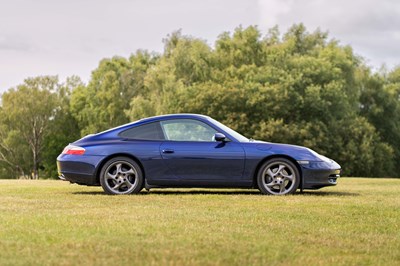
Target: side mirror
x,y
219,137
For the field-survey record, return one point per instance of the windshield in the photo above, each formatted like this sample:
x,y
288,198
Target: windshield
x,y
230,131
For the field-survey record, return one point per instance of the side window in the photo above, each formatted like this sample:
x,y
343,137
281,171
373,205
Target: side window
x,y
151,131
187,130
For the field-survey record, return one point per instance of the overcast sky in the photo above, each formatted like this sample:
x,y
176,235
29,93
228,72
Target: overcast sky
x,y
70,37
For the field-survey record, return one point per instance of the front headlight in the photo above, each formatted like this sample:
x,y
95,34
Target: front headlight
x,y
303,162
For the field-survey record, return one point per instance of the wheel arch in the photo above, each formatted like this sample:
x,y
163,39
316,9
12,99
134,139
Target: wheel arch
x,y
273,157
109,157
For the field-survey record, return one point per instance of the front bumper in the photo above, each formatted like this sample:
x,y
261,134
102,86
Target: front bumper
x,y
320,174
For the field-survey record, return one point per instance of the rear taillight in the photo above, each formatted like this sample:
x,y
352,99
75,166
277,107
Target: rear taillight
x,y
73,150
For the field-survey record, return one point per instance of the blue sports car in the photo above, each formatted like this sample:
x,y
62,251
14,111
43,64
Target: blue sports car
x,y
189,150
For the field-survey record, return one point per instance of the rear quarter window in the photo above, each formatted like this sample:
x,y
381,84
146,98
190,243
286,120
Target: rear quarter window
x,y
151,131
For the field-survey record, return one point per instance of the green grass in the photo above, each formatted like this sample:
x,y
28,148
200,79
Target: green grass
x,y
55,223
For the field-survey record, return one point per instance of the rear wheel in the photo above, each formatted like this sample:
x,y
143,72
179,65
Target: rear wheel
x,y
121,175
278,176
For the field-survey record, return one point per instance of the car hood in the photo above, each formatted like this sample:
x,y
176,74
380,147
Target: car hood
x,y
295,151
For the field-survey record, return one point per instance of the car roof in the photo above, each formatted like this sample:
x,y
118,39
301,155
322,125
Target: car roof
x,y
171,116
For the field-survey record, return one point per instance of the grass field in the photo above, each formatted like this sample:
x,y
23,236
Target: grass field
x,y
55,223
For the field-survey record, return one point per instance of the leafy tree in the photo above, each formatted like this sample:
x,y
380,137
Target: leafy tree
x,y
15,158
301,88
298,87
28,110
380,104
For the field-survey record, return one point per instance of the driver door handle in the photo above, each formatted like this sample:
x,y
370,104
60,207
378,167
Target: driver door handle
x,y
167,151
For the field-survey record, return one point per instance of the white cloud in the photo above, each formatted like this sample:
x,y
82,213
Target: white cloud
x,y
371,27
71,36
67,37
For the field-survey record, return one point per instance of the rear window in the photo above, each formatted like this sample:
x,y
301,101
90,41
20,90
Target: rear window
x,y
151,131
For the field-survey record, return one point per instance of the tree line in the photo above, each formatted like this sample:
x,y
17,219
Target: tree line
x,y
299,87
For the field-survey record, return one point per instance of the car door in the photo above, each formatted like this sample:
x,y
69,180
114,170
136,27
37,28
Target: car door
x,y
191,153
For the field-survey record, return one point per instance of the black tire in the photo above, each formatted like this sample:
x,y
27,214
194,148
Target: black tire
x,y
121,175
278,176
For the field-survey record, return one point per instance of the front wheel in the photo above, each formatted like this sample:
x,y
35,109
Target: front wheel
x,y
278,176
121,175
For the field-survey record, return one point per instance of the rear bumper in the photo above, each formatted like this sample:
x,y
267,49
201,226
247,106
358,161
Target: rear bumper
x,y
80,179
82,172
320,174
